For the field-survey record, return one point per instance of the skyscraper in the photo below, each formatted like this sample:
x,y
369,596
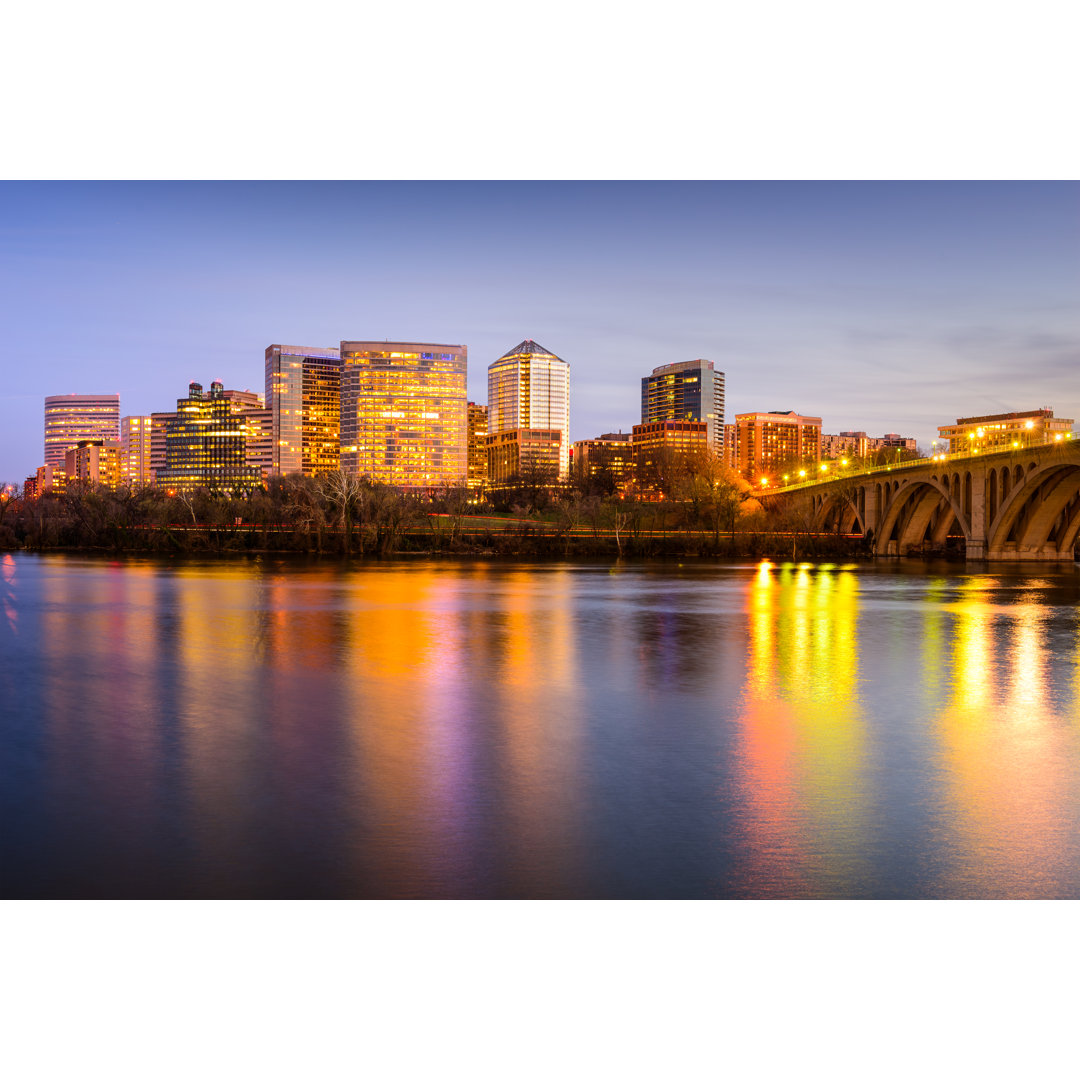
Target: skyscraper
x,y
529,387
303,394
135,450
71,418
404,412
205,445
477,473
773,440
692,390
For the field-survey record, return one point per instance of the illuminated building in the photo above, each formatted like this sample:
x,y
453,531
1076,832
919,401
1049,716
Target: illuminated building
x,y
158,422
404,412
606,461
771,439
692,390
135,450
205,445
30,488
478,464
659,446
525,454
50,479
94,461
730,454
1005,431
72,417
303,394
529,387
853,444
258,424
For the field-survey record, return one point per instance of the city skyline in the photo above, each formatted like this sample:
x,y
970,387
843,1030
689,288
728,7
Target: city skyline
x,y
880,307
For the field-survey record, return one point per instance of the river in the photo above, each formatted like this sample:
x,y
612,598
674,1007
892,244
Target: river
x,y
475,729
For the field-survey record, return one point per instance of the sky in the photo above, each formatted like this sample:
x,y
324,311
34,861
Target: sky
x,y
884,307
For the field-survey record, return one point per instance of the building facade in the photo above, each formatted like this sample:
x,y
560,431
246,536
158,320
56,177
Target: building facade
x,y
525,454
70,418
606,462
303,394
258,424
1005,431
730,455
94,461
774,440
404,416
529,387
477,439
206,445
658,448
692,390
135,434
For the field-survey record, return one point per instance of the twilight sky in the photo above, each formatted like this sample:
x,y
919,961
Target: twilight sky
x,y
877,306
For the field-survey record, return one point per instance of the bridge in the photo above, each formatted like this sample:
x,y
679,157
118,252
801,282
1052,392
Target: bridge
x,y
1019,504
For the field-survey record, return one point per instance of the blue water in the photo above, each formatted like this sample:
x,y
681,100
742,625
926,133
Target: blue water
x,y
284,729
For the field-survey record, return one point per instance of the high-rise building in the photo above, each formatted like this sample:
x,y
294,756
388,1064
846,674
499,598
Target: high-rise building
x,y
94,461
768,441
135,450
69,418
477,432
158,423
303,394
658,448
258,423
529,387
404,412
1005,431
205,445
692,390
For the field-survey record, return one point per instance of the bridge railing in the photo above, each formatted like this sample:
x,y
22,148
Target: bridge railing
x,y
847,473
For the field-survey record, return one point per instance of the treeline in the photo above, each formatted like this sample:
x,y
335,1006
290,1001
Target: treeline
x,y
699,510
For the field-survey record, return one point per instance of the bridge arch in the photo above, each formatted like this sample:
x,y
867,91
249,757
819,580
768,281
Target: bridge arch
x,y
1041,516
924,509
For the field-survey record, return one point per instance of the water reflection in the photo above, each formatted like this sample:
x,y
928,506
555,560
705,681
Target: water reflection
x,y
802,735
248,729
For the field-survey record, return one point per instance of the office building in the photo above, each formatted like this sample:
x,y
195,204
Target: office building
x,y
158,424
404,412
1005,431
258,425
135,445
661,450
477,437
771,441
530,455
692,390
303,394
605,463
69,418
529,387
94,461
206,446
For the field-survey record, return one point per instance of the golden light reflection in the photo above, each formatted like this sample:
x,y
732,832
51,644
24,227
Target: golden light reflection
x,y
999,749
801,726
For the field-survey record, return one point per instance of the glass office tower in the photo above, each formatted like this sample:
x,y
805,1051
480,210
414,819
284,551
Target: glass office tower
x,y
529,387
404,412
206,445
692,390
303,394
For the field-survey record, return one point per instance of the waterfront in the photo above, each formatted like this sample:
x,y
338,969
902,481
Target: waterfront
x,y
285,729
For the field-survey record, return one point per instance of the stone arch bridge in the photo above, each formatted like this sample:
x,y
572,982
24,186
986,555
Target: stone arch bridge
x,y
1013,505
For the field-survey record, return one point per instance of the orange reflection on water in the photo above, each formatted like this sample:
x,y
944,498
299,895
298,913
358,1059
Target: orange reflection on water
x,y
1000,748
801,728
